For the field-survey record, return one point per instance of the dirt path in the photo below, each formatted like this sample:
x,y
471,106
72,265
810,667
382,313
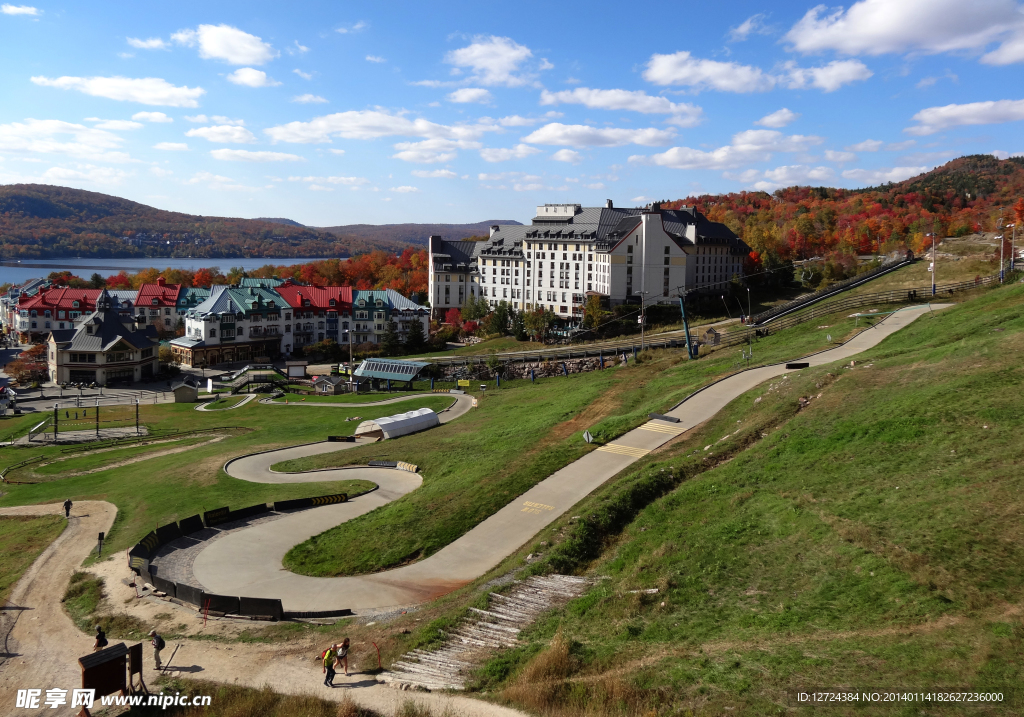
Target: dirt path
x,y
41,645
125,462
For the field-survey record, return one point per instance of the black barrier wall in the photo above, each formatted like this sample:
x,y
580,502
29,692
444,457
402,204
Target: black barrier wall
x,y
249,512
220,603
167,533
164,586
213,517
262,607
191,524
189,594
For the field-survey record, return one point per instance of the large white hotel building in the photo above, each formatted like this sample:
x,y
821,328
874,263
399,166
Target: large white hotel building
x,y
570,251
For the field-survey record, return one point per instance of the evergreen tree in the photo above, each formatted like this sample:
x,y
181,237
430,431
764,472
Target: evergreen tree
x,y
391,342
415,341
500,319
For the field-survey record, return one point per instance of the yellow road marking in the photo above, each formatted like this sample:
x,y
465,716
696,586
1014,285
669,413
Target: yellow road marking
x,y
624,450
535,508
661,428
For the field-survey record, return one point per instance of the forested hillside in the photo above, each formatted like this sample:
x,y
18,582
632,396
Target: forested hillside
x,y
966,195
40,221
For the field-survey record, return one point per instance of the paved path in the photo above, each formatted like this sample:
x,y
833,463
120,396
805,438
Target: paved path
x,y
238,565
246,398
39,645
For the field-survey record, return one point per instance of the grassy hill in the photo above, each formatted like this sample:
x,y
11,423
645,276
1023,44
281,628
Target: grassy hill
x,y
870,540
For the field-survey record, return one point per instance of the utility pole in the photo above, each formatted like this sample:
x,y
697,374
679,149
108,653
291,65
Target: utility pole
x,y
1013,243
748,305
642,318
1002,241
933,262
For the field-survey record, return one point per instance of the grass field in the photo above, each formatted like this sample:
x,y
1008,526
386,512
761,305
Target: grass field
x,y
958,260
524,432
23,539
350,397
172,487
871,540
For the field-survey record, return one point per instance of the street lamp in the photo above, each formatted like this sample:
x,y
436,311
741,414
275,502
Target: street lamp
x,y
748,305
1013,243
932,235
1001,242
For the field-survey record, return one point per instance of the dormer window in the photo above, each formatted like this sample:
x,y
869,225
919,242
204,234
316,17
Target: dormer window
x,y
74,304
305,302
362,302
332,302
153,302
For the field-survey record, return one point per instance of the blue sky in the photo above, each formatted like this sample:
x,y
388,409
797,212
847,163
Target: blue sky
x,y
339,113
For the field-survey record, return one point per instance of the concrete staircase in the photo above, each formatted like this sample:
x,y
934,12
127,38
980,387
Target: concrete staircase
x,y
449,666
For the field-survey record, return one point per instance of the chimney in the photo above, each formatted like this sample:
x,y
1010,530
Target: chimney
x,y
608,204
494,229
161,281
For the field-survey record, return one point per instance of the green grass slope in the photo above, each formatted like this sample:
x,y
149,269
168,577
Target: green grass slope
x,y
865,537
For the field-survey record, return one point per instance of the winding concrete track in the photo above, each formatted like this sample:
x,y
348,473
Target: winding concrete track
x,y
249,562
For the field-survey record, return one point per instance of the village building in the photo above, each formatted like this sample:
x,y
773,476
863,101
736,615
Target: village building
x,y
315,314
104,348
623,255
157,305
233,324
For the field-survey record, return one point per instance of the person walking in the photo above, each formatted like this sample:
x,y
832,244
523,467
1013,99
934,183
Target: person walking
x,y
101,639
342,658
67,508
158,644
330,656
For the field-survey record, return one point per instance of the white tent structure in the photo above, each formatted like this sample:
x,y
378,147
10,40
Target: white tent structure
x,y
399,425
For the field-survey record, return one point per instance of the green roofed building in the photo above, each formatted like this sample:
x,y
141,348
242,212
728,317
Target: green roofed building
x,y
380,369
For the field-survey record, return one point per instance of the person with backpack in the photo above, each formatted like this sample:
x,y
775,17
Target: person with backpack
x,y
342,658
67,508
158,644
101,639
329,656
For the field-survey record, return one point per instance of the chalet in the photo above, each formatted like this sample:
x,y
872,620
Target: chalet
x,y
102,349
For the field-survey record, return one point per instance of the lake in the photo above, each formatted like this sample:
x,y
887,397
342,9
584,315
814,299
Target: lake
x,y
18,273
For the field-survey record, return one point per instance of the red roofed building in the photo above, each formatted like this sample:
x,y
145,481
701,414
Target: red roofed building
x,y
157,305
53,308
318,313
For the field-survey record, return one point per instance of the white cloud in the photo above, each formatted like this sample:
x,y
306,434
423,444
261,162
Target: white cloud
x,y
752,145
876,27
145,90
470,94
936,119
871,177
432,151
404,190
520,151
118,125
296,48
227,43
251,78
303,75
217,181
685,115
346,181
64,138
171,146
7,9
829,78
375,58
223,133
835,156
85,173
567,155
900,146
793,175
517,121
493,60
198,119
151,117
244,155
160,171
777,119
309,99
681,68
153,43
221,119
370,124
358,27
868,145
596,185
753,25
434,174
336,151
577,135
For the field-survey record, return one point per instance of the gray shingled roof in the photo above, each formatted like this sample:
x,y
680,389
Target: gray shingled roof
x,y
103,329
